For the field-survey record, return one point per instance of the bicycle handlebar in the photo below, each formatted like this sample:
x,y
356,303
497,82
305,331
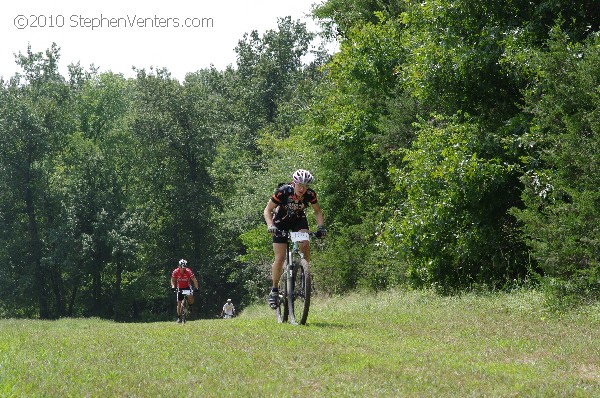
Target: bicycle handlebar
x,y
286,234
185,291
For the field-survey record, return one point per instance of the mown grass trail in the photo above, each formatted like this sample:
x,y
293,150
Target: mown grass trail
x,y
400,344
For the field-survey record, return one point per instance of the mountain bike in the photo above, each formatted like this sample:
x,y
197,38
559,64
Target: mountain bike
x,y
185,305
295,284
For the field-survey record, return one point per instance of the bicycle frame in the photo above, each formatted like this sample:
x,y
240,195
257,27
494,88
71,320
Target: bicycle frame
x,y
295,282
185,306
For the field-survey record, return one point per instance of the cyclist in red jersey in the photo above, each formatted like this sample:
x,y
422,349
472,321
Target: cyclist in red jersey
x,y
286,211
180,278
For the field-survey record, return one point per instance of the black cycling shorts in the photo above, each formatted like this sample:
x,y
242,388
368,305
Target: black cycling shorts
x,y
294,226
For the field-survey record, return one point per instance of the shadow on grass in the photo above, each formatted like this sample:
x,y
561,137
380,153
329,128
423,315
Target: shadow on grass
x,y
328,325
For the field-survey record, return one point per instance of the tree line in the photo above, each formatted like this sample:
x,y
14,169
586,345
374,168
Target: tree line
x,y
455,146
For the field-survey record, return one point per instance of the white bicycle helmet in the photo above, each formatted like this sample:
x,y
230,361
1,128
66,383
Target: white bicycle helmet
x,y
301,176
182,263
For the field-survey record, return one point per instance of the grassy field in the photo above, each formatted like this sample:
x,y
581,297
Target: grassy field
x,y
395,344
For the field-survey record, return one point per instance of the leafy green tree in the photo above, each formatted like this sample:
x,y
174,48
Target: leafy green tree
x,y
35,116
65,170
340,17
398,63
99,173
452,228
179,124
351,152
346,120
267,96
562,162
106,102
269,69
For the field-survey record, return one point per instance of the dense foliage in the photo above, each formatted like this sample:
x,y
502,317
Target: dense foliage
x,y
455,146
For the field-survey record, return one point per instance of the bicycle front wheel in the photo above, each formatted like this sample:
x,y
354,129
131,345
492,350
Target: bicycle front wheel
x,y
282,302
299,293
185,311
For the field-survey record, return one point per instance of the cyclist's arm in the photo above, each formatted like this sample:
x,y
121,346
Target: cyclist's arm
x,y
193,278
318,213
268,212
173,282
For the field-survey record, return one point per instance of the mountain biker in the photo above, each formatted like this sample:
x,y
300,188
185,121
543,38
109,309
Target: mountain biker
x,y
286,211
180,278
228,309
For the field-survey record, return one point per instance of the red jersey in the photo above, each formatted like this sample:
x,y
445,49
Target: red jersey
x,y
183,277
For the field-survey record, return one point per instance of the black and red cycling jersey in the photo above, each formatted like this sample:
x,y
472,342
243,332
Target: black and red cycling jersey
x,y
289,207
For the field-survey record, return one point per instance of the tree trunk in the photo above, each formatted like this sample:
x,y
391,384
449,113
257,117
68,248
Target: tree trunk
x,y
71,306
36,252
117,291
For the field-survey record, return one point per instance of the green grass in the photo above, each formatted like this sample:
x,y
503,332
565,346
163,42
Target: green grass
x,y
405,344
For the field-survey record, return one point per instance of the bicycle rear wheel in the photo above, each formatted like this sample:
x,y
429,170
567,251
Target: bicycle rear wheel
x,y
282,303
299,293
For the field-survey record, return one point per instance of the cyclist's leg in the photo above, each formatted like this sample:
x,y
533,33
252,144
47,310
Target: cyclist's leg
x,y
304,246
279,249
179,311
179,304
277,266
